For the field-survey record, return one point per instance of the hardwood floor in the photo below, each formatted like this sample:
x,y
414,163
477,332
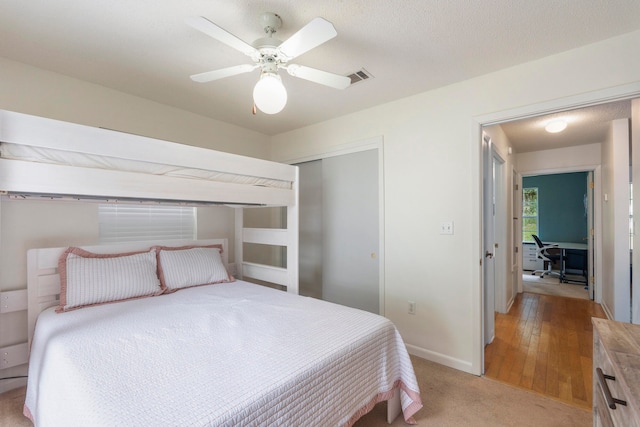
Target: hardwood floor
x,y
545,344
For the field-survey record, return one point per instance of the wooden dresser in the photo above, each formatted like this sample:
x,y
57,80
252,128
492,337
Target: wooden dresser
x,y
616,373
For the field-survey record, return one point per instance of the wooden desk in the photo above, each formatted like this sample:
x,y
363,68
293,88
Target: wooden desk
x,y
571,246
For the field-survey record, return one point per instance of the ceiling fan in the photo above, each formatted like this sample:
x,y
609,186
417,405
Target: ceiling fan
x,y
269,55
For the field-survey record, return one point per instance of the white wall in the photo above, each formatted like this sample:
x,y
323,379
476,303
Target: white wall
x,y
582,157
616,280
432,150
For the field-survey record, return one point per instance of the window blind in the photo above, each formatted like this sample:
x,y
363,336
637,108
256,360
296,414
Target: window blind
x,y
128,223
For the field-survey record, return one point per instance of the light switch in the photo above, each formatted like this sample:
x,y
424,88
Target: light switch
x,y
412,307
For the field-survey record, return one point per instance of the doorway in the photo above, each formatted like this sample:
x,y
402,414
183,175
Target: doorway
x,y
558,210
557,160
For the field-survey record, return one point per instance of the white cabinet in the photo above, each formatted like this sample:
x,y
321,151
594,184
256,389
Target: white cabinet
x,y
530,260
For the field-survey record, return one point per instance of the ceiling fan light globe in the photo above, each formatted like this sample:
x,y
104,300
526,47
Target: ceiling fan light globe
x,y
269,94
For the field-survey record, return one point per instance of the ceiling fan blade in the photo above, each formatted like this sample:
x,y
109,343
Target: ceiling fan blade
x,y
311,35
222,73
318,76
209,28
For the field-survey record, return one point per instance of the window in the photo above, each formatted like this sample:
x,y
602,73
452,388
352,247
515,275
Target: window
x,y
529,213
128,222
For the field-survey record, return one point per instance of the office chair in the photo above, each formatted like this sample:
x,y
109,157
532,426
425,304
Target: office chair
x,y
547,257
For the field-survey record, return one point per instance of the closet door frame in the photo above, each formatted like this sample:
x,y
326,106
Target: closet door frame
x,y
374,143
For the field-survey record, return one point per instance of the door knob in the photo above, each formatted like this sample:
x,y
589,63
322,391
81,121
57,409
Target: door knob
x,y
488,254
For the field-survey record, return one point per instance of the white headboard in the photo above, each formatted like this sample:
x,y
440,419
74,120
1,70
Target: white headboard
x,y
43,280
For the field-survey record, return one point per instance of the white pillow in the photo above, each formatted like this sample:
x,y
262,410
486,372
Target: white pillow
x,y
191,266
87,278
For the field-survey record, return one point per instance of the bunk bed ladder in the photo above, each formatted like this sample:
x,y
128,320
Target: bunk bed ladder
x,y
286,277
280,237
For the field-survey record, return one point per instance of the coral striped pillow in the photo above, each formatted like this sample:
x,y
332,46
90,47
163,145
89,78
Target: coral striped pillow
x,y
88,278
187,266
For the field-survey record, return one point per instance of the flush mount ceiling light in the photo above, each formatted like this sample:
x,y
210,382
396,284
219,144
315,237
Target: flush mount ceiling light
x,y
269,55
556,126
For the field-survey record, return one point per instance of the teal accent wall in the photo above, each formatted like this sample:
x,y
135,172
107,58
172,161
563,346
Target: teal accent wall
x,y
561,208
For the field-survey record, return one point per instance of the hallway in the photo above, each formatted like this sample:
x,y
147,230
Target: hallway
x,y
545,344
552,286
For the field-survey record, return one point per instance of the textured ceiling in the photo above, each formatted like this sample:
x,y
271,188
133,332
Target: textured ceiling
x,y
144,48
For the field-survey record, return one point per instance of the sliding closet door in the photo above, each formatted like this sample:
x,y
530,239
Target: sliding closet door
x,y
350,230
310,229
339,230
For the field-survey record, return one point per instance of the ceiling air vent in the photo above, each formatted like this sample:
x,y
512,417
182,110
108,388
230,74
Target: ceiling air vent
x,y
359,76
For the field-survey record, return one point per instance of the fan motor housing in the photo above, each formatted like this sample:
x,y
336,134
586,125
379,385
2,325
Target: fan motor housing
x,y
271,22
266,43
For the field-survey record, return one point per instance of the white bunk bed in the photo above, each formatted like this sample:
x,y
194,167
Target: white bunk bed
x,y
117,166
41,157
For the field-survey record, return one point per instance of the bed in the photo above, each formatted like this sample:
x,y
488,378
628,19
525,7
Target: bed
x,y
226,354
95,164
86,163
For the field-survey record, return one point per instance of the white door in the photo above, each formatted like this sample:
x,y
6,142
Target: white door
x,y
516,233
635,210
488,239
500,231
590,236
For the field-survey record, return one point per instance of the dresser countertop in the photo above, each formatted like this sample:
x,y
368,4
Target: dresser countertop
x,y
621,342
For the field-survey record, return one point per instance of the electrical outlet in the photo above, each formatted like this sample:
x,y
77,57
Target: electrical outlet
x,y
446,227
412,307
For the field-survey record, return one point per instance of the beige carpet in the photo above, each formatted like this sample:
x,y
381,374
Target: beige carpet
x,y
454,398
11,409
450,398
552,286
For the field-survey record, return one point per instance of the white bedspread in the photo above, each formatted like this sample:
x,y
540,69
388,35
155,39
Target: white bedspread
x,y
231,354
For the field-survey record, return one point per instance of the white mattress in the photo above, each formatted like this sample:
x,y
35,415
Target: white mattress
x,y
62,157
233,354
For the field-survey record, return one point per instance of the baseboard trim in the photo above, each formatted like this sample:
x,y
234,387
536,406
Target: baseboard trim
x,y
432,356
606,310
510,304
